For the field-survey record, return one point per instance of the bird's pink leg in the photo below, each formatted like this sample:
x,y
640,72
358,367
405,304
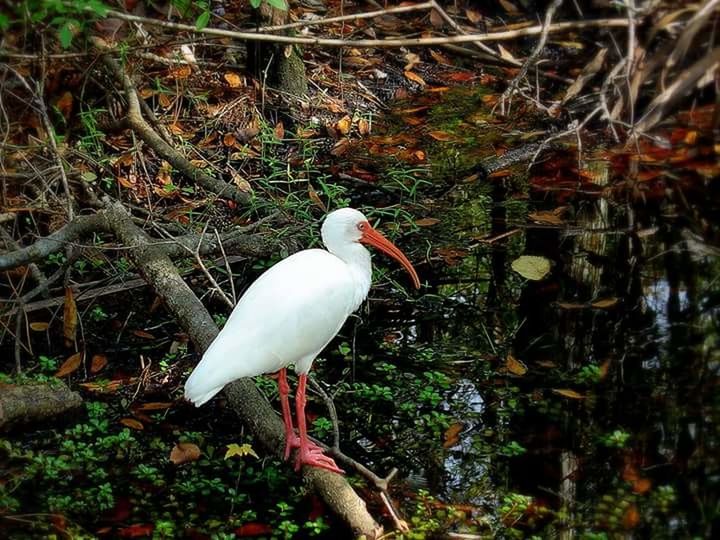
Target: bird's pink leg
x,y
291,440
309,453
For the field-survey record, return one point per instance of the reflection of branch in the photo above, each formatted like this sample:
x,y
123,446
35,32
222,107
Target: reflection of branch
x,y
381,484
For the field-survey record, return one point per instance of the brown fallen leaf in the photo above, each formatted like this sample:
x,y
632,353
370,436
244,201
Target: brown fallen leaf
x,y
70,365
414,77
279,131
315,198
98,362
427,222
452,435
132,424
515,366
568,393
441,136
143,334
233,79
155,406
343,125
184,453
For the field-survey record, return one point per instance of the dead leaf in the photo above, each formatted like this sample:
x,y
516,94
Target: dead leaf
x,y
412,60
70,365
143,334
568,393
363,127
164,101
507,55
155,406
605,303
315,198
39,326
233,79
65,104
435,19
184,453
69,316
343,125
427,222
440,58
641,486
509,7
452,435
570,305
531,267
473,15
515,366
279,131
98,362
414,77
229,140
631,519
441,136
132,424
240,182
549,218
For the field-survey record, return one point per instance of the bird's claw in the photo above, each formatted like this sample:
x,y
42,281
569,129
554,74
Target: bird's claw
x,y
313,456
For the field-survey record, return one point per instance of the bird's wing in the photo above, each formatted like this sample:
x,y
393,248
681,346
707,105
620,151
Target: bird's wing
x,y
287,316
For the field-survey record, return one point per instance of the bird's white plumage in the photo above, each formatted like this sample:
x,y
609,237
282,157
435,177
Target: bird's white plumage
x,y
290,313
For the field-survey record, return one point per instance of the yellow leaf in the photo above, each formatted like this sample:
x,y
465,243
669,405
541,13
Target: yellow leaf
x,y
184,452
343,125
515,366
69,316
243,450
132,424
70,365
531,267
566,392
233,79
39,326
414,77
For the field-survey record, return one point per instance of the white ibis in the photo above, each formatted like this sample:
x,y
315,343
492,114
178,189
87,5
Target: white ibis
x,y
288,316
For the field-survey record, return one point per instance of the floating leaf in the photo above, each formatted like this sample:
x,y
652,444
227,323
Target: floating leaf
x,y
70,365
243,450
452,435
69,316
132,424
531,267
568,393
184,453
515,366
605,303
39,326
98,362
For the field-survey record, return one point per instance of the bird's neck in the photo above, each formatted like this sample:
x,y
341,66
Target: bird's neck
x,y
358,260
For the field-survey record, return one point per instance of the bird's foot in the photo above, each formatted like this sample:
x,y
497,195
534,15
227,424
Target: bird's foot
x,y
292,441
313,456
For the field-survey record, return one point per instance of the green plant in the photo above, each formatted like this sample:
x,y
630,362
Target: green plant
x,y
616,439
48,364
322,426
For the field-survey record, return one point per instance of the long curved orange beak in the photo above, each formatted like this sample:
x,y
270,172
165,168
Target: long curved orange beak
x,y
376,239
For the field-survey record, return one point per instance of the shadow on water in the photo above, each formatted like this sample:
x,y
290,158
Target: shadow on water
x,y
584,403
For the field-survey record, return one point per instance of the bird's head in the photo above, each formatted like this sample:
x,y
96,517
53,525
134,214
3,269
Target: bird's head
x,y
347,225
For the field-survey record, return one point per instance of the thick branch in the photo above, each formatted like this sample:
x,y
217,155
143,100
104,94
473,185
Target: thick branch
x,y
25,404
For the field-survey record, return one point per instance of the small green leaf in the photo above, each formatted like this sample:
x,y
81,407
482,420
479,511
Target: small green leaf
x,y
88,176
235,449
255,3
531,267
65,35
203,20
278,4
4,22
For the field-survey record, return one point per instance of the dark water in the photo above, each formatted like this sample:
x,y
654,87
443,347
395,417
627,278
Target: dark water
x,y
604,421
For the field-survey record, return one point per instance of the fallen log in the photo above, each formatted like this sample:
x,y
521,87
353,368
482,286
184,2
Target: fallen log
x,y
29,403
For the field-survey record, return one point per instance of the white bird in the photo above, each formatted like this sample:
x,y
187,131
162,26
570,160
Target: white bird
x,y
288,316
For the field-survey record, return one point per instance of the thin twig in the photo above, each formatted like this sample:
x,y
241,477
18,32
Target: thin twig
x,y
380,43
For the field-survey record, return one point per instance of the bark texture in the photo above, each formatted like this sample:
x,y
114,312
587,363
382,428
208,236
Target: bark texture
x,y
25,404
